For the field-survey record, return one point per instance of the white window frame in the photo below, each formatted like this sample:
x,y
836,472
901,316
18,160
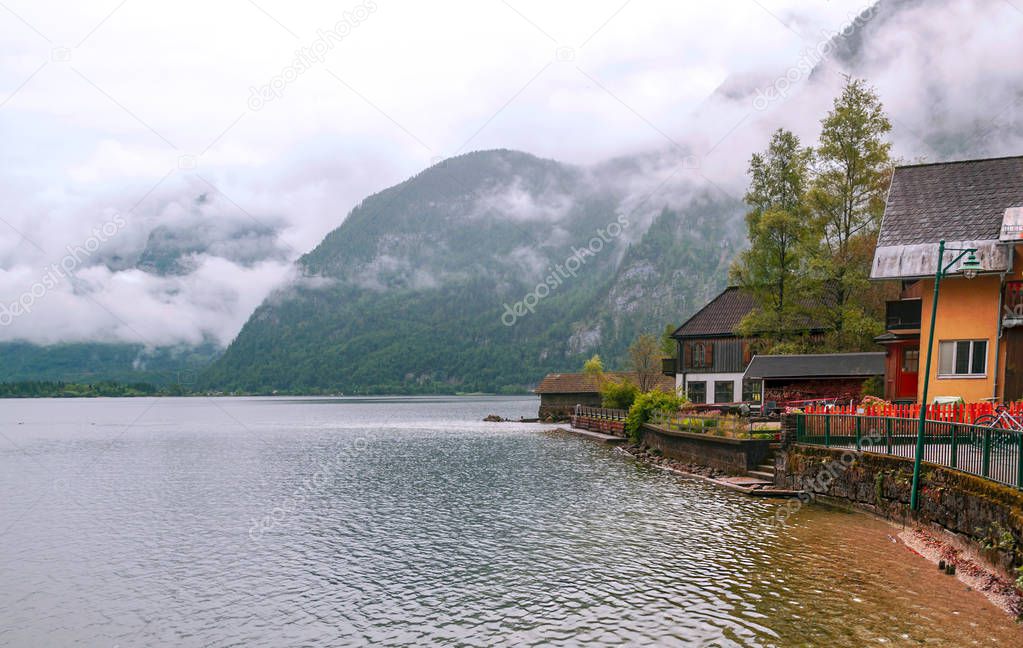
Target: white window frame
x,y
955,354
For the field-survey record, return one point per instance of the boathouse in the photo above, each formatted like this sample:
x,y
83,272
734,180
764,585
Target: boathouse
x,y
560,392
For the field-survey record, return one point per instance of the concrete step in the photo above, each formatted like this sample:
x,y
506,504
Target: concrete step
x,y
766,468
762,474
774,492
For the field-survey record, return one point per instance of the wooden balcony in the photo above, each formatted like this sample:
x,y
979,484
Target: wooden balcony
x,y
902,315
669,366
1012,304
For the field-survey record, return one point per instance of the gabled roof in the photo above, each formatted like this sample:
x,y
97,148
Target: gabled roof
x,y
720,316
580,383
819,365
955,201
962,202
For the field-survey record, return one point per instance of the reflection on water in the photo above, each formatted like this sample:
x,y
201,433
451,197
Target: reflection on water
x,y
272,522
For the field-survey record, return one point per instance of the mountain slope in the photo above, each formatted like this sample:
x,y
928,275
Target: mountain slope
x,y
89,362
417,289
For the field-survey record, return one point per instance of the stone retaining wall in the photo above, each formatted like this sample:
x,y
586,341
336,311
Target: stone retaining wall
x,y
988,514
736,456
559,407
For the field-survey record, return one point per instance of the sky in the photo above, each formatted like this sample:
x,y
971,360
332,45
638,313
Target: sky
x,y
118,115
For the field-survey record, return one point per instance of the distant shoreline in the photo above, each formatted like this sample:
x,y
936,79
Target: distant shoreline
x,y
48,389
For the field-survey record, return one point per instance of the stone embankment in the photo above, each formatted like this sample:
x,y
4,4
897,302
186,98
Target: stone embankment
x,y
975,516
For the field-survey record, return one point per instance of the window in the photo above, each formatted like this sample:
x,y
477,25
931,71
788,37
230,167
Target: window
x,y
697,392
751,391
699,355
911,360
747,353
724,391
962,358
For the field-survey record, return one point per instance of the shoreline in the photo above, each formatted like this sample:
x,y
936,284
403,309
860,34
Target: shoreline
x,y
936,545
744,485
257,395
970,567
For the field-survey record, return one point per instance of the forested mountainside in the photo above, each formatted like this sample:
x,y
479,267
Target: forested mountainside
x,y
87,362
417,290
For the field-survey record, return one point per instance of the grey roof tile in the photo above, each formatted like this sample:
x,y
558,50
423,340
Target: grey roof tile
x,y
819,365
955,201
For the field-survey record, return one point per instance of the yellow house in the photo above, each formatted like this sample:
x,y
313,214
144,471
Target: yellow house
x,y
978,332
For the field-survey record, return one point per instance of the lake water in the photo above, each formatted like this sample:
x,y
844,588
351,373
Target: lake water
x,y
336,522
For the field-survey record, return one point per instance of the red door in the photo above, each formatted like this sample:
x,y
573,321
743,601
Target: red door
x,y
907,372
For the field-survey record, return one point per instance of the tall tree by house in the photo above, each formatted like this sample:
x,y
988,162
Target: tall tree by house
x,y
812,225
773,268
852,171
645,358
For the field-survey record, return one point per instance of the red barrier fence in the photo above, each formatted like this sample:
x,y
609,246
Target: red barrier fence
x,y
960,413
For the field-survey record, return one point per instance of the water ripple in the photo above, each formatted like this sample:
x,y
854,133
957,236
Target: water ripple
x,y
395,524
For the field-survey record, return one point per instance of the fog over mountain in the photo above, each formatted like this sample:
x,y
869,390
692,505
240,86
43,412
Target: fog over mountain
x,y
646,107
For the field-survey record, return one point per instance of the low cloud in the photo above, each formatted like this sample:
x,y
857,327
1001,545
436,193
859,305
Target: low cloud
x,y
217,214
516,202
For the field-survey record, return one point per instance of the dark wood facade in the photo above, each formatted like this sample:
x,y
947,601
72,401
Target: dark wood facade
x,y
714,354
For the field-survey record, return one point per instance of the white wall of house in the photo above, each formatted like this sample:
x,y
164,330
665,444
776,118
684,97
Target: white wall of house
x,y
682,380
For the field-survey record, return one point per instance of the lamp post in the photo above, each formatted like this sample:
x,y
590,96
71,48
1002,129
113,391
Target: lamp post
x,y
969,268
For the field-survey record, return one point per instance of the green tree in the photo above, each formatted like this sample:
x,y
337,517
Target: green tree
x,y
645,360
594,367
772,269
618,394
853,168
644,407
669,348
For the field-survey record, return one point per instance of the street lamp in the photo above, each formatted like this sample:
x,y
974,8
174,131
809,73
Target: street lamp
x,y
969,268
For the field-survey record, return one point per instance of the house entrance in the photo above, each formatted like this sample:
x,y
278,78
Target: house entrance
x,y
1013,389
908,372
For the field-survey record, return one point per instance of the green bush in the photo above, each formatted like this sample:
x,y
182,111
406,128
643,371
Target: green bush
x,y
644,407
618,394
873,386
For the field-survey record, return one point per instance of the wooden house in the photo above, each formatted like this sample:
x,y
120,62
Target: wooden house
x,y
711,356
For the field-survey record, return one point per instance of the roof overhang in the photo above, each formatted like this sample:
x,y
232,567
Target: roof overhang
x,y
819,366
891,337
920,261
702,336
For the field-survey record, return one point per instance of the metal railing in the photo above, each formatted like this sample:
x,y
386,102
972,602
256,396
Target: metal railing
x,y
991,453
604,413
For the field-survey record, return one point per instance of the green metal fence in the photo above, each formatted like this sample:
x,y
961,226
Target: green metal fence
x,y
990,453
